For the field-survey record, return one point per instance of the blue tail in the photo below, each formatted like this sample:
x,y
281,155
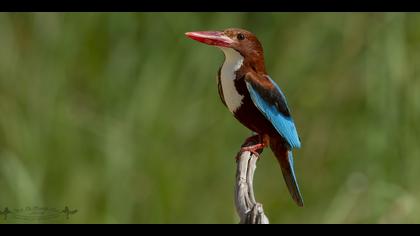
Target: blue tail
x,y
285,158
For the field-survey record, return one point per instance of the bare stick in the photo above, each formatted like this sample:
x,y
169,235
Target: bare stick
x,y
249,211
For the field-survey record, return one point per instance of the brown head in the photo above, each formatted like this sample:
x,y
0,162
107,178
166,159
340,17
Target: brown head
x,y
242,41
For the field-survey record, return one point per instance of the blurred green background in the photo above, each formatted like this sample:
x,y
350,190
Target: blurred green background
x,y
117,115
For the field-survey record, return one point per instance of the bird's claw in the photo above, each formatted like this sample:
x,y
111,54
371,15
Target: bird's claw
x,y
254,149
254,145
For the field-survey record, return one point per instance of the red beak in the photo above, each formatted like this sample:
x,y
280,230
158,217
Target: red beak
x,y
214,38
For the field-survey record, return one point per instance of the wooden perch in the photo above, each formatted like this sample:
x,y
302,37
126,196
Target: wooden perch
x,y
248,209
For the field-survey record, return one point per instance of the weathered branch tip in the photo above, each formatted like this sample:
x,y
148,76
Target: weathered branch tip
x,y
248,209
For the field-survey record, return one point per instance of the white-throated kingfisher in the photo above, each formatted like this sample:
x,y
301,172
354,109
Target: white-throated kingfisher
x,y
254,98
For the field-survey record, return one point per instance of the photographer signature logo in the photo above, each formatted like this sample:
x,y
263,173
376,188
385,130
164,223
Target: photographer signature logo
x,y
36,213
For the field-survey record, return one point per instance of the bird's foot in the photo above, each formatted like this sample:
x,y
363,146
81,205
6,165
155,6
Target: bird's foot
x,y
254,149
254,144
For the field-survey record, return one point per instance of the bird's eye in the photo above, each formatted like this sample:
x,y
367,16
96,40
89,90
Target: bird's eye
x,y
240,36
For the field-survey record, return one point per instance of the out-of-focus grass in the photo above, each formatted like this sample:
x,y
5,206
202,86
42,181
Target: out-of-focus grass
x,y
117,115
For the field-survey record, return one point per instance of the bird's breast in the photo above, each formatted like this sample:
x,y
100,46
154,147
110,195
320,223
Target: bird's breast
x,y
231,95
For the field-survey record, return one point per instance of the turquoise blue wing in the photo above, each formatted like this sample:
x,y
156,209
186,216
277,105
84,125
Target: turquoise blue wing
x,y
271,102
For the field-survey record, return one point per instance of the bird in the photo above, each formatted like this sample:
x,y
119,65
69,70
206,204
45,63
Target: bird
x,y
254,99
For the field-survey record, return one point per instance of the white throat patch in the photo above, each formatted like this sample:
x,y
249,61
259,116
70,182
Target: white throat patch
x,y
233,61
